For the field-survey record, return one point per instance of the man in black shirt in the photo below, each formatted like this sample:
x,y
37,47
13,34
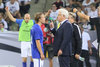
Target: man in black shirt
x,y
96,22
76,41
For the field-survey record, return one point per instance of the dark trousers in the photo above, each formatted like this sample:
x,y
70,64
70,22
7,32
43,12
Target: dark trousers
x,y
64,61
74,62
85,54
98,56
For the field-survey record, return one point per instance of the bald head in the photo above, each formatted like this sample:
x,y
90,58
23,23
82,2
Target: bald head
x,y
27,17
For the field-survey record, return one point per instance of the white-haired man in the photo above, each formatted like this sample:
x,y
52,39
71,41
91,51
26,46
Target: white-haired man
x,y
63,38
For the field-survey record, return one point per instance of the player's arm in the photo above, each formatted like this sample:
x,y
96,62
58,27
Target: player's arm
x,y
81,14
9,15
39,48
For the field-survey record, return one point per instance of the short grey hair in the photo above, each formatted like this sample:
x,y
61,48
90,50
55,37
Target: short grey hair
x,y
64,12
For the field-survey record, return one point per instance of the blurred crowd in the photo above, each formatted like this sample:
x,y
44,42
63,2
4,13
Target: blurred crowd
x,y
17,8
20,7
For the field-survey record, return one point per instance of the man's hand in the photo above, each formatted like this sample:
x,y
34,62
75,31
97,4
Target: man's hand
x,y
49,11
74,10
59,52
77,56
42,57
6,8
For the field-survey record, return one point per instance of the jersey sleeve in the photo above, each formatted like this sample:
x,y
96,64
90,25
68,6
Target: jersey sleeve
x,y
19,21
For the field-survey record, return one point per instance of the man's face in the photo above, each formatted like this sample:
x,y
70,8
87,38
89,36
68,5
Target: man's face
x,y
54,7
92,7
60,16
42,18
27,18
12,1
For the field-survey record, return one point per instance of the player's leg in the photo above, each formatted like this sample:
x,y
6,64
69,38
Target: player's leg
x,y
50,62
31,62
30,54
38,62
24,53
24,59
50,55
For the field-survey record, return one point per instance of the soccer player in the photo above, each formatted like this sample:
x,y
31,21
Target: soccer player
x,y
24,35
37,40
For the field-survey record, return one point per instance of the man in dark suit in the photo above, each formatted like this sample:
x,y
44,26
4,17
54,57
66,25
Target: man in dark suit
x,y
63,38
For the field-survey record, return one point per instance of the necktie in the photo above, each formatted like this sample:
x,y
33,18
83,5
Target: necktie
x,y
58,25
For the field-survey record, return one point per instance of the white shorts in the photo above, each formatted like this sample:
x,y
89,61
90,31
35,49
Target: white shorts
x,y
38,62
26,49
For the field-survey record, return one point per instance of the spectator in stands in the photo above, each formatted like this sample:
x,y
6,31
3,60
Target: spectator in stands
x,y
54,12
1,6
86,48
24,6
3,21
2,27
80,9
86,25
93,13
13,7
59,4
86,5
5,1
68,8
97,3
74,4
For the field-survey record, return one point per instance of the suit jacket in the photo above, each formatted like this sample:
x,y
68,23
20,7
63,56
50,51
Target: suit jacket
x,y
63,39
